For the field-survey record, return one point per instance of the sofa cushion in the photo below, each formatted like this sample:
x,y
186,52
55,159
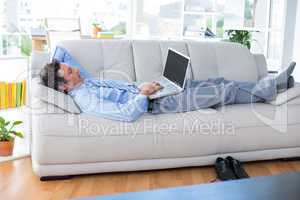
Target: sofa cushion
x,y
88,53
200,133
84,124
118,60
109,59
260,114
203,60
93,139
150,57
143,60
147,60
222,59
62,55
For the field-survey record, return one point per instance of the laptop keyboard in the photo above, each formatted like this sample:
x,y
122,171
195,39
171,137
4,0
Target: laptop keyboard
x,y
169,86
166,87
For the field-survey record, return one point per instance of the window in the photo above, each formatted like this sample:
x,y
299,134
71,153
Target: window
x,y
112,15
264,18
275,33
149,18
202,14
158,18
19,17
14,37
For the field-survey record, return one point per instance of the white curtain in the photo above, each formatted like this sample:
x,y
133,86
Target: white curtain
x,y
296,45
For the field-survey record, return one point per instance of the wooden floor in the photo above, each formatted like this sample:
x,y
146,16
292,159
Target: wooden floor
x,y
17,181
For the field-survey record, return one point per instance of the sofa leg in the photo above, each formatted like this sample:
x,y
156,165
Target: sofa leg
x,y
291,159
55,178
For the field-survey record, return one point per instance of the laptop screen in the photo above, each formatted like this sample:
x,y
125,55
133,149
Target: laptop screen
x,y
176,68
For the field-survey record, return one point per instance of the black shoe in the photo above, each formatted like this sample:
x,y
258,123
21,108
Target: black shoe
x,y
223,169
237,168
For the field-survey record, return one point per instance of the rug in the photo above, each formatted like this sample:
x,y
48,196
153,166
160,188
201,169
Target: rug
x,y
184,193
258,188
194,192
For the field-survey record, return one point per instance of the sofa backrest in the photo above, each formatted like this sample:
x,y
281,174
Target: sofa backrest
x,y
143,60
109,59
222,59
150,57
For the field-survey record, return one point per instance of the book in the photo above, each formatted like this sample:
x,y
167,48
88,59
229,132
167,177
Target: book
x,y
1,101
13,95
9,90
2,95
23,93
105,35
18,95
6,95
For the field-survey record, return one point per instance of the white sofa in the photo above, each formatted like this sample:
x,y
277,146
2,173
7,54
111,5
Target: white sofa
x,y
70,144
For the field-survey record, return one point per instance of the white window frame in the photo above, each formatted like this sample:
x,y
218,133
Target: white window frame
x,y
267,30
289,32
287,29
273,64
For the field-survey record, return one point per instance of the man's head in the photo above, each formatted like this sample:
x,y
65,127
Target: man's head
x,y
60,76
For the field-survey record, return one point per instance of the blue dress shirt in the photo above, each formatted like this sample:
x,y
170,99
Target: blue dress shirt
x,y
111,99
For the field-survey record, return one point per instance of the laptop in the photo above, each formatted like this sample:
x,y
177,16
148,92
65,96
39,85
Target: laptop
x,y
174,75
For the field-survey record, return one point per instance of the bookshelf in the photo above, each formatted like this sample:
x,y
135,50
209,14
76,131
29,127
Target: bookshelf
x,y
16,69
13,81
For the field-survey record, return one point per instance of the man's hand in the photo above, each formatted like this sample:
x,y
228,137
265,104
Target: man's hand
x,y
150,88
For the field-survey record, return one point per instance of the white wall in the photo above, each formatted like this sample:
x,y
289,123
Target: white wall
x,y
296,55
15,69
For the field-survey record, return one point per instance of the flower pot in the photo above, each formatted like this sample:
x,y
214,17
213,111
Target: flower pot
x,y
96,30
6,148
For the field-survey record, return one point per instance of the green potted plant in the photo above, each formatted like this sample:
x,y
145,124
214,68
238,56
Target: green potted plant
x,y
7,136
242,37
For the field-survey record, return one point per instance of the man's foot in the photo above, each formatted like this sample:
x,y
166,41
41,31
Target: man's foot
x,y
283,76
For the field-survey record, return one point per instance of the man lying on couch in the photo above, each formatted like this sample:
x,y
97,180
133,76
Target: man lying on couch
x,y
118,100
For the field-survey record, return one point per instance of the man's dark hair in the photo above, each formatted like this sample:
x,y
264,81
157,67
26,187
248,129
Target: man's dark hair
x,y
50,76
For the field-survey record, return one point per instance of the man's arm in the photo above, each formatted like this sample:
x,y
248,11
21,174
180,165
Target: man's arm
x,y
127,112
134,108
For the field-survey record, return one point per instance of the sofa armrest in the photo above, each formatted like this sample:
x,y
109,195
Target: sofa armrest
x,y
38,60
295,101
39,106
287,96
